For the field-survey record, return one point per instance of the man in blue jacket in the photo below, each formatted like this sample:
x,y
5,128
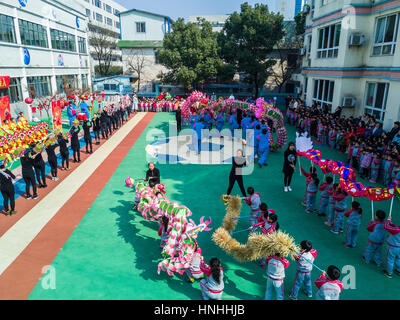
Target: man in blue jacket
x,y
198,127
263,147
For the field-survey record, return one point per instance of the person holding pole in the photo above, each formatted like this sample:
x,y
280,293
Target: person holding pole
x,y
304,268
393,248
376,238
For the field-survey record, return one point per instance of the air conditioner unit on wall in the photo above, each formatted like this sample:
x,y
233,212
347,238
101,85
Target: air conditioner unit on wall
x,y
349,102
356,39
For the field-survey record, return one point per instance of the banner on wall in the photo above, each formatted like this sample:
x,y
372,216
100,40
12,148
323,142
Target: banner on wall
x,y
5,111
56,111
4,82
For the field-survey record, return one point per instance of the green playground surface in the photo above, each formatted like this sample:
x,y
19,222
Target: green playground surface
x,y
113,253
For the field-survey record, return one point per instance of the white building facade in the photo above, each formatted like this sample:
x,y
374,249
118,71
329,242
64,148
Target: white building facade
x,y
217,21
43,48
352,57
103,14
288,8
142,34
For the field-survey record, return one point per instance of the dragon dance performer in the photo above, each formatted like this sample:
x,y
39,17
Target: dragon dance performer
x,y
74,131
64,151
51,156
152,175
39,166
28,174
236,172
7,189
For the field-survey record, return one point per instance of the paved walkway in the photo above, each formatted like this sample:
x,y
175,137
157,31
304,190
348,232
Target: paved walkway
x,y
34,240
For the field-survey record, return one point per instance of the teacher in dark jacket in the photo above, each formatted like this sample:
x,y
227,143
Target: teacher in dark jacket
x,y
7,190
75,146
289,164
28,173
152,175
178,117
238,163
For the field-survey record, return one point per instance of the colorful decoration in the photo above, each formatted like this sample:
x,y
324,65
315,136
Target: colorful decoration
x,y
16,137
199,102
178,251
348,177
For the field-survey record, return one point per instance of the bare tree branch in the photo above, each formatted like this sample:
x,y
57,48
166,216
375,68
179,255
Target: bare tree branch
x,y
103,42
136,62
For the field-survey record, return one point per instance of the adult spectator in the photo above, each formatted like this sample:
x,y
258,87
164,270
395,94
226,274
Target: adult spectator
x,y
376,130
152,175
394,130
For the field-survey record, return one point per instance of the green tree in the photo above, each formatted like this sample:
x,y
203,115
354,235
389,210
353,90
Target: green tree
x,y
190,53
247,39
300,21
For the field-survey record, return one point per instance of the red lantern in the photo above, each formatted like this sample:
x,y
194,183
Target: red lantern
x,y
33,109
28,100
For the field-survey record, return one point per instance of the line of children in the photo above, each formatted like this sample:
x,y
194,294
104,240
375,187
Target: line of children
x,y
303,269
354,216
376,238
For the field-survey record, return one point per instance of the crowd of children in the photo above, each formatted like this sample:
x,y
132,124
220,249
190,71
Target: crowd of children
x,y
328,284
333,204
163,103
372,152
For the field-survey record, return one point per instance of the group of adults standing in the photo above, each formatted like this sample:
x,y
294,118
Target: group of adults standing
x,y
106,121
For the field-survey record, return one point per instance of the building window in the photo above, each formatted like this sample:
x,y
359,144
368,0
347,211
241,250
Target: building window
x,y
82,45
325,2
66,82
14,91
385,35
62,41
99,17
116,12
156,56
39,86
87,12
117,25
305,86
85,81
33,34
309,41
108,8
323,93
375,99
109,21
141,27
97,3
7,32
312,8
328,41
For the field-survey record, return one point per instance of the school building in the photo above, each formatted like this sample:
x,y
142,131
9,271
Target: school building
x,y
43,48
351,57
142,34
